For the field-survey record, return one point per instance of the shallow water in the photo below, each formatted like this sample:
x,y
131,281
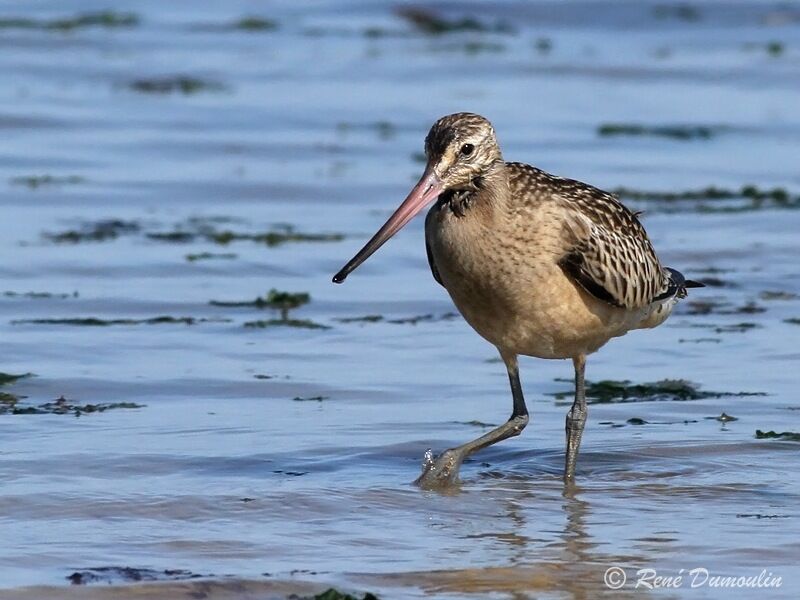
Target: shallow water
x,y
221,472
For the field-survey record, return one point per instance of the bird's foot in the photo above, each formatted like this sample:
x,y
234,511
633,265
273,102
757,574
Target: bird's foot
x,y
440,472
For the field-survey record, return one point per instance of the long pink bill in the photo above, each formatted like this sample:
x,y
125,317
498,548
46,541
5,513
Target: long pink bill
x,y
427,190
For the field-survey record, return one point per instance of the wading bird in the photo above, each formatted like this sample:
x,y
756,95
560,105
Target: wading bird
x,y
537,264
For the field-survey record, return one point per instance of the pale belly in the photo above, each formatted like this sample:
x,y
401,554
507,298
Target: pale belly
x,y
516,296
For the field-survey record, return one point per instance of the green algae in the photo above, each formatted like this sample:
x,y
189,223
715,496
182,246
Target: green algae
x,y
286,301
716,307
9,378
103,19
713,199
675,132
789,436
430,23
94,231
61,406
7,399
777,194
310,398
211,256
172,84
383,129
275,237
680,12
34,182
97,322
172,237
414,320
543,45
428,318
737,327
775,48
479,47
612,391
194,229
638,421
297,323
40,295
112,575
715,282
777,295
364,319
334,594
245,24
476,423
254,23
274,299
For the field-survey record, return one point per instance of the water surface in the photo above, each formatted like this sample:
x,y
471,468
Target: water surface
x,y
318,124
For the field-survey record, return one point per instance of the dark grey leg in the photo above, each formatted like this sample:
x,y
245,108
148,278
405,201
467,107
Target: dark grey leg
x,y
576,419
443,470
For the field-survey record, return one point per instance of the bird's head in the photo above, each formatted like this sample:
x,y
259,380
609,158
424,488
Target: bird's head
x,y
460,149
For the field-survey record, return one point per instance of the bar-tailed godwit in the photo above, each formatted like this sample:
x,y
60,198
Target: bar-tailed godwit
x,y
537,264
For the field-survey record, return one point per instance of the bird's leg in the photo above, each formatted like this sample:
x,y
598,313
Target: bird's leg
x,y
576,419
443,470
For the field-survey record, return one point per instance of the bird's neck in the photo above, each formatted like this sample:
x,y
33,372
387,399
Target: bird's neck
x,y
488,191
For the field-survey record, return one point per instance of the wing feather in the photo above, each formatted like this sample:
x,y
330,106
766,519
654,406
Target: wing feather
x,y
609,253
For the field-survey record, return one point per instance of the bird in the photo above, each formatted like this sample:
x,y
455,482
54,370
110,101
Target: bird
x,y
538,265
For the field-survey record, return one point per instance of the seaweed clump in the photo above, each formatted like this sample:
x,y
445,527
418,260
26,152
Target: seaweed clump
x,y
97,322
34,182
254,23
790,436
110,575
427,318
7,399
755,197
103,19
94,231
681,12
675,132
297,323
430,23
61,406
211,256
278,235
275,299
334,594
611,391
170,84
280,301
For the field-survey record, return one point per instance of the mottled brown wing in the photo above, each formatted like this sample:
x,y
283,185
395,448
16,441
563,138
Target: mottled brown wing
x,y
610,255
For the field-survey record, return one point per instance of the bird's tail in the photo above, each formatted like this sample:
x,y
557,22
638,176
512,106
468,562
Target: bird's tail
x,y
679,284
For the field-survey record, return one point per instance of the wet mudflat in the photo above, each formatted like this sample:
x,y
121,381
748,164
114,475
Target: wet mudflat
x,y
189,406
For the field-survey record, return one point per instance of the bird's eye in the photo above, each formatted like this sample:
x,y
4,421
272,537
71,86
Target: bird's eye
x,y
467,149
